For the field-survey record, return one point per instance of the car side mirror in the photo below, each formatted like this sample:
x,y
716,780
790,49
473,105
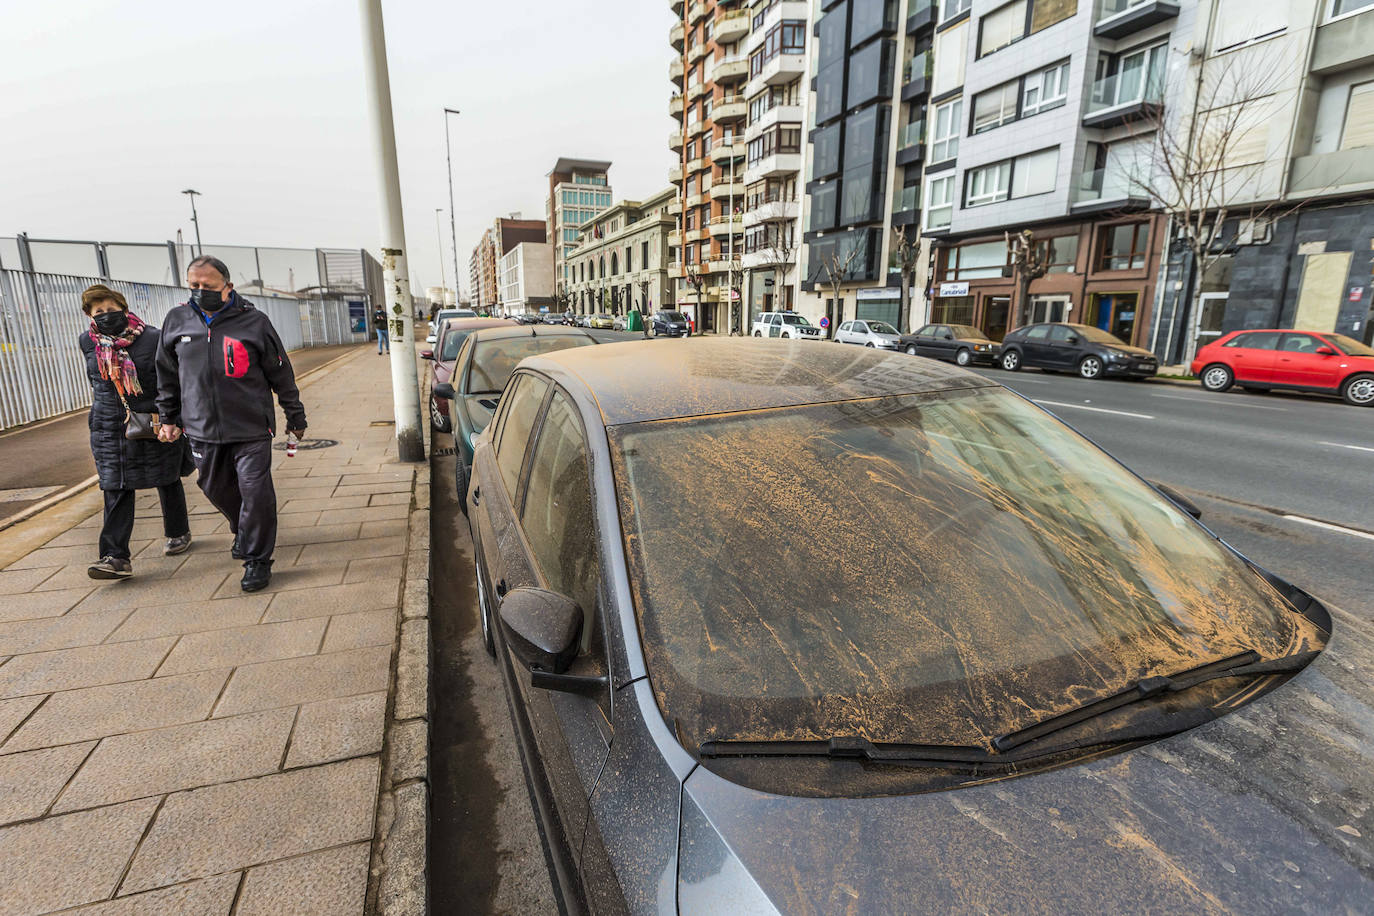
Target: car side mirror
x,y
1178,499
1326,351
426,354
1074,338
445,390
542,629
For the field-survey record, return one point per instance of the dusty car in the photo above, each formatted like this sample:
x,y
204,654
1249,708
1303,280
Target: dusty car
x,y
957,343
451,334
1062,694
1091,352
872,334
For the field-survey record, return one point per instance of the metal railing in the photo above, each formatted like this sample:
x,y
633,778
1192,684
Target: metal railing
x,y
42,370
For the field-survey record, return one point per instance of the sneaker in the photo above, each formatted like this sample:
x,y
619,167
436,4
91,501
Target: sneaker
x,y
175,546
110,568
236,551
256,575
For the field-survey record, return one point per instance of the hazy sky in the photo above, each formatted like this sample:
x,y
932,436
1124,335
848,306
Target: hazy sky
x,y
109,108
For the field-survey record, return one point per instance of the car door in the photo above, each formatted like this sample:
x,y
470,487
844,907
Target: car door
x,y
943,343
572,731
1063,347
1253,356
1297,362
842,332
775,325
922,340
1035,350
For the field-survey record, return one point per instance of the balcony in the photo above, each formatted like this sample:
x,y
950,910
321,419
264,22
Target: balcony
x,y
778,114
697,51
731,70
674,207
1119,18
726,225
674,238
675,35
675,72
675,175
911,143
730,108
778,165
922,15
1347,169
727,152
698,89
675,107
676,271
731,27
696,128
771,208
720,265
675,141
906,206
724,190
779,71
777,12
1347,42
696,11
695,200
696,165
916,77
1108,189
1122,98
676,7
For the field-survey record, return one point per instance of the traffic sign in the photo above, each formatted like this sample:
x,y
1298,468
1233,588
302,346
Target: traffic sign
x,y
825,321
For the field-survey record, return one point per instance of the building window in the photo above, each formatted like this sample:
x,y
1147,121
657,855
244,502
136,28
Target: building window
x,y
996,106
784,138
953,8
952,310
1358,130
870,73
980,261
939,201
787,37
1342,7
1045,90
1045,13
825,156
1123,247
950,51
870,18
1035,173
988,184
944,139
1062,255
1241,22
1001,27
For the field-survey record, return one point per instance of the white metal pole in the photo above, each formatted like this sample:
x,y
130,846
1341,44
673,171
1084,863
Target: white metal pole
x,y
405,386
439,236
452,218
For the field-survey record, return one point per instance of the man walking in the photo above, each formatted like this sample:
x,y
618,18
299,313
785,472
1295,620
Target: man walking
x,y
379,325
219,361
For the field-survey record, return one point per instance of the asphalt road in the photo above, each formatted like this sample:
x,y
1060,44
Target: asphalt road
x,y
1287,479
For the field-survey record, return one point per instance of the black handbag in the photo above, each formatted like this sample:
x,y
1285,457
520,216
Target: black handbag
x,y
139,424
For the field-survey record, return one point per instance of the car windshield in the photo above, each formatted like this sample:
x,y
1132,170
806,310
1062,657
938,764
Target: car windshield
x,y
672,316
937,568
964,332
881,327
1097,335
794,319
603,317
493,361
1349,345
452,341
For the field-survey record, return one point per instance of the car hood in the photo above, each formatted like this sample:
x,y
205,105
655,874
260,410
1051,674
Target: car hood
x,y
1268,809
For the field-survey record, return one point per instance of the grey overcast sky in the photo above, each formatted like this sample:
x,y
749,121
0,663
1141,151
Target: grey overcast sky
x,y
109,108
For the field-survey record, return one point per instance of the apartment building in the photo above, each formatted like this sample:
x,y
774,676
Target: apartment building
x,y
579,189
622,259
527,278
1297,249
777,97
709,105
484,267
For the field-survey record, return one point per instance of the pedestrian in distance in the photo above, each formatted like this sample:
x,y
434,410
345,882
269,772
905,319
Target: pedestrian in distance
x,y
218,365
379,325
121,364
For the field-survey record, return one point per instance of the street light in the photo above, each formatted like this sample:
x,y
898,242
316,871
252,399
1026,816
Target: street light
x,y
195,220
452,225
439,237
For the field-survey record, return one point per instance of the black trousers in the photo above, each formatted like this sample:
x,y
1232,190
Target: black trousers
x,y
237,479
119,518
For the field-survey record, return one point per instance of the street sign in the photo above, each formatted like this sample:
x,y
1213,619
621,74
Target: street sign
x,y
825,321
1356,293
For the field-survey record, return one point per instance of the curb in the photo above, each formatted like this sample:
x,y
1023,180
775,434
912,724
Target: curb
x,y
398,884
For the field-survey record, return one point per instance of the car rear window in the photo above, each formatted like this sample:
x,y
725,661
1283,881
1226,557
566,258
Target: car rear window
x,y
493,361
453,340
777,599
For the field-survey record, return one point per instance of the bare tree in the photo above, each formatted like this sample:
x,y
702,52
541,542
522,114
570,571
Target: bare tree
x,y
834,268
906,250
1030,260
695,275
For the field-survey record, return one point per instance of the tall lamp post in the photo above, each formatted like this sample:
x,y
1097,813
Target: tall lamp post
x,y
452,219
405,387
195,220
439,237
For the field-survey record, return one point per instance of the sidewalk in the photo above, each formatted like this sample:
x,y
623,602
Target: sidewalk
x,y
175,745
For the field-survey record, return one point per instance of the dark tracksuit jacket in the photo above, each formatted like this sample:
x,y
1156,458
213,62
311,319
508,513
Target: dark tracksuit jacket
x,y
216,376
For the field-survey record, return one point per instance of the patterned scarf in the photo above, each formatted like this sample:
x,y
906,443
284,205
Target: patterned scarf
x,y
112,358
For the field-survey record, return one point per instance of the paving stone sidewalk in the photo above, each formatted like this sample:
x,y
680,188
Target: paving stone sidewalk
x,y
170,745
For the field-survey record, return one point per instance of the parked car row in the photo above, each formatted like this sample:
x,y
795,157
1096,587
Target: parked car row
x,y
702,736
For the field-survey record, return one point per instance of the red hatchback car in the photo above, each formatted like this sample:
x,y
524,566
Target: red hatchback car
x,y
452,333
1295,360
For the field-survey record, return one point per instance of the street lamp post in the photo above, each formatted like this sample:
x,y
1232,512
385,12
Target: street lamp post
x,y
405,389
439,237
452,219
195,220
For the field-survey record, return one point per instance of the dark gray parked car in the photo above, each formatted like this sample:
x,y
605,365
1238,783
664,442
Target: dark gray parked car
x,y
1062,694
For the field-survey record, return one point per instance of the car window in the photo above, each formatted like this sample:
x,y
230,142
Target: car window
x,y
1299,343
493,361
1061,334
846,326
525,396
1257,340
881,327
1039,332
453,340
794,319
1113,583
927,331
558,518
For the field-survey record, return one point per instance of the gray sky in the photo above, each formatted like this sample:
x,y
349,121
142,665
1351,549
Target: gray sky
x,y
112,107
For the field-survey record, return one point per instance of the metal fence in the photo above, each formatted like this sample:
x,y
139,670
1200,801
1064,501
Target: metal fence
x,y
42,370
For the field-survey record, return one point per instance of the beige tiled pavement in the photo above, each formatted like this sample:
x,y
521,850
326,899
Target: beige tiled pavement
x,y
170,745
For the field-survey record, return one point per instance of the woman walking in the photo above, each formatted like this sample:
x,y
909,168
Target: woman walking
x,y
121,363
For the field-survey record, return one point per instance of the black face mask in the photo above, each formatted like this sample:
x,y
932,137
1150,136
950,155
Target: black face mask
x,y
111,324
207,300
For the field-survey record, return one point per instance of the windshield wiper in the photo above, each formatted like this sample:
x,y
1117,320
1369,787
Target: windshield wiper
x,y
853,747
1244,664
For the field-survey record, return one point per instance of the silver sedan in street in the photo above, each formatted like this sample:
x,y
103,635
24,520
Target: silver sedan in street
x,y
876,334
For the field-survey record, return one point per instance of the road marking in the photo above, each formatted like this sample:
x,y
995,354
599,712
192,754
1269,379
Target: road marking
x,y
1203,400
1330,527
1028,381
1119,413
1358,448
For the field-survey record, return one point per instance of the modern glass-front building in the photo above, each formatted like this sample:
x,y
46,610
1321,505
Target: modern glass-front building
x,y
579,189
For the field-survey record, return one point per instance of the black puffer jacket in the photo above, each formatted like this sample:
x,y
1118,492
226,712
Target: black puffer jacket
x,y
123,464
